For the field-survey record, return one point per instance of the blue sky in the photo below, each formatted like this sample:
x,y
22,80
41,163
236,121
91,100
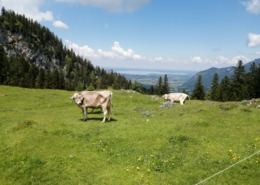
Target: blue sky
x,y
159,34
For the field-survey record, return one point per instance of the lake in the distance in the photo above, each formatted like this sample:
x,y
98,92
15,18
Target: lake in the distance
x,y
150,77
133,71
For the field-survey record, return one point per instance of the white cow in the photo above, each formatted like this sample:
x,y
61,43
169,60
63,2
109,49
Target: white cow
x,y
176,97
94,99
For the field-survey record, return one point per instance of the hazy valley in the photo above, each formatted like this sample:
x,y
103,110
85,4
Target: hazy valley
x,y
149,77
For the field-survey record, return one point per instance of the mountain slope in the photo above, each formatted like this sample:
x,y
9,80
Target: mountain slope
x,y
207,75
34,57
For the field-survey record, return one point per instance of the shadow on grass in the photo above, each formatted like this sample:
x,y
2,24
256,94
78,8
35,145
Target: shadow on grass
x,y
99,119
95,112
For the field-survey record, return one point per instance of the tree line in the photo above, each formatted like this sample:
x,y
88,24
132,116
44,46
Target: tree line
x,y
240,86
16,71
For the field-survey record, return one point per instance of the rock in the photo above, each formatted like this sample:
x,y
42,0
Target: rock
x,y
167,104
154,97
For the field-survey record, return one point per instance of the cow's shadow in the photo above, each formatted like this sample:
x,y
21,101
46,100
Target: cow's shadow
x,y
97,112
98,119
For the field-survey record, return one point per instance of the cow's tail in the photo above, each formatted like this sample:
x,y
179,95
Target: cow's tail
x,y
110,102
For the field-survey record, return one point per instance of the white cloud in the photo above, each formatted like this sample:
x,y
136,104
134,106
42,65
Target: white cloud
x,y
60,24
112,5
220,61
118,56
129,53
83,51
158,59
118,49
253,40
197,59
116,52
235,59
253,6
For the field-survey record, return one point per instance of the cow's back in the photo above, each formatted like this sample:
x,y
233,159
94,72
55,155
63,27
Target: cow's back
x,y
91,99
175,95
96,98
105,93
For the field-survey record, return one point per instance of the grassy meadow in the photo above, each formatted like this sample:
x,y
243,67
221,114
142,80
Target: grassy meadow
x,y
44,142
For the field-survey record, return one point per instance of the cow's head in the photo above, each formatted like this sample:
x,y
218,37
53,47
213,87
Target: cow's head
x,y
77,98
165,96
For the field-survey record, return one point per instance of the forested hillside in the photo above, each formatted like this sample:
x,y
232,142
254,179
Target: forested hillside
x,y
32,56
241,85
208,75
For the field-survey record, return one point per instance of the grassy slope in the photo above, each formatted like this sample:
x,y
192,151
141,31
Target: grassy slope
x,y
43,141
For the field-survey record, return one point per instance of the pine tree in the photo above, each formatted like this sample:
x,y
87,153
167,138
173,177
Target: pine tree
x,y
14,70
93,79
224,89
55,79
159,85
239,91
3,65
165,86
251,81
48,79
214,91
40,80
198,91
30,78
136,86
23,69
61,80
258,82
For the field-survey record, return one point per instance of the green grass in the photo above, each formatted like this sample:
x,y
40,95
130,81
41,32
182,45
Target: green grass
x,y
43,141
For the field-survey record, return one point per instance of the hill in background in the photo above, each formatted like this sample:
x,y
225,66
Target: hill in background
x,y
207,75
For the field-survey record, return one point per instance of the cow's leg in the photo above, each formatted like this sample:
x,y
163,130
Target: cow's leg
x,y
92,110
181,102
85,113
108,113
105,114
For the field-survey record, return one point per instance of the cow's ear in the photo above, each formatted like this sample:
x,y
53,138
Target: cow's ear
x,y
81,97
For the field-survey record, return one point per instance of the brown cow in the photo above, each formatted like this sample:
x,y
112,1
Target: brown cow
x,y
94,99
